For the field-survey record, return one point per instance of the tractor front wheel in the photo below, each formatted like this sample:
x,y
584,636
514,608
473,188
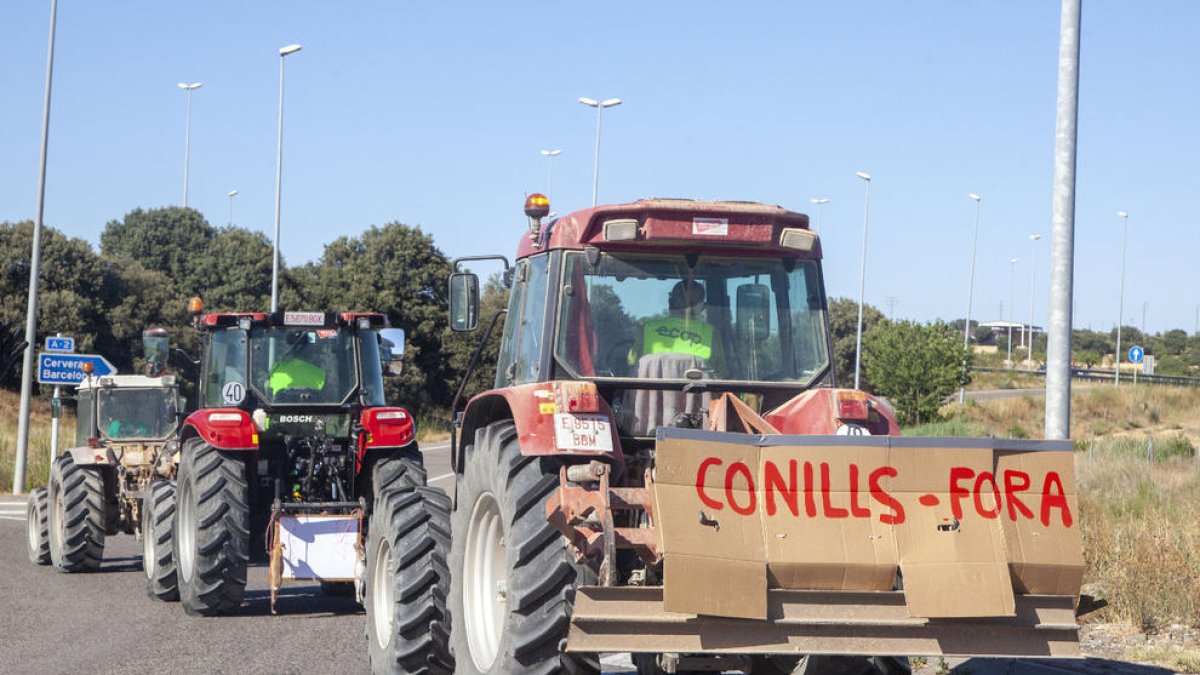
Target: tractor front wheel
x,y
77,516
158,537
408,579
37,527
513,579
212,529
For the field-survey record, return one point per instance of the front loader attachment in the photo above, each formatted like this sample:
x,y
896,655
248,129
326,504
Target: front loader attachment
x,y
871,545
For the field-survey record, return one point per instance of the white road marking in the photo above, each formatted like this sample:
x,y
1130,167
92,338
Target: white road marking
x,y
441,477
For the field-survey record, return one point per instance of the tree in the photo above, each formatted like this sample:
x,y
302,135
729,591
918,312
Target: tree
x,y
843,322
915,366
172,240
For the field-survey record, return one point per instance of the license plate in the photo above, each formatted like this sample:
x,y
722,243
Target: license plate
x,y
582,433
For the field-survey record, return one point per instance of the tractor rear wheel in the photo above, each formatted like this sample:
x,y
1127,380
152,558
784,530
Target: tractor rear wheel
x,y
37,528
513,579
212,535
158,537
78,516
401,469
408,579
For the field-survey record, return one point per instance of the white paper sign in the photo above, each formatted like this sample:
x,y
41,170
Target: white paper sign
x,y
318,547
712,227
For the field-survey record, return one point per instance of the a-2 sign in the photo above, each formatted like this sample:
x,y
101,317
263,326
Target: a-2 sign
x,y
1136,353
56,368
60,343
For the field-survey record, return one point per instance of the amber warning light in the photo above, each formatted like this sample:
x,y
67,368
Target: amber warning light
x,y
195,305
537,205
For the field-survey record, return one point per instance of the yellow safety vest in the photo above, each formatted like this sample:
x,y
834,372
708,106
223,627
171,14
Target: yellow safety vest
x,y
296,374
676,335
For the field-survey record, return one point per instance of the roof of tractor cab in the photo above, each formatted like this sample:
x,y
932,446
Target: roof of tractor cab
x,y
674,223
295,319
127,382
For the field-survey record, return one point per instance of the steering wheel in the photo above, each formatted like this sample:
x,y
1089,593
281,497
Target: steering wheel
x,y
617,351
296,395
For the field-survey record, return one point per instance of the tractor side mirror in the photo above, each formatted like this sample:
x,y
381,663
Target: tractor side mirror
x,y
391,350
464,302
753,311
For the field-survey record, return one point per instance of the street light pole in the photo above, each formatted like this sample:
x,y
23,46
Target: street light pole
x,y
1124,216
34,269
232,194
283,52
187,135
550,155
962,390
1032,288
599,106
1012,267
820,202
862,279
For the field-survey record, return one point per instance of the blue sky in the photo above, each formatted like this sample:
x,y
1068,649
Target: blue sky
x,y
433,114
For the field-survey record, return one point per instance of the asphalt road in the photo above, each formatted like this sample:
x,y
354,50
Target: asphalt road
x,y
103,622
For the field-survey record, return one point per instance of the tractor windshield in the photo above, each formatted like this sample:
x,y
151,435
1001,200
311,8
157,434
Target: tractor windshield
x,y
303,366
136,413
691,316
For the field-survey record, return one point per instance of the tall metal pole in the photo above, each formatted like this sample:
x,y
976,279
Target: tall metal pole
x,y
599,106
290,49
232,194
34,270
820,202
1121,296
862,280
962,390
1032,293
1012,266
187,136
1062,231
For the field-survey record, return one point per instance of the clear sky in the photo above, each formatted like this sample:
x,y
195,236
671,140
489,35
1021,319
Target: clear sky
x,y
433,114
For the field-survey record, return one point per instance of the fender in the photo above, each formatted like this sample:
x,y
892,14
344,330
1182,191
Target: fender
x,y
88,455
222,428
383,429
531,407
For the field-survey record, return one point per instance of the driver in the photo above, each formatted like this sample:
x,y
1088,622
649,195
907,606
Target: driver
x,y
683,330
298,369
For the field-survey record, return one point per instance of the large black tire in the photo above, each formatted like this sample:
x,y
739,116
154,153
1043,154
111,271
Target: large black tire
x,y
37,527
408,579
158,541
212,529
77,516
501,491
400,469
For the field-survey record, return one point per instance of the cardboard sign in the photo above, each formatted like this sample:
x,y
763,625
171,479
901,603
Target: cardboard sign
x,y
961,524
318,547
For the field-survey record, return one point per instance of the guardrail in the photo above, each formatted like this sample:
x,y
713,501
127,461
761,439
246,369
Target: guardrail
x,y
1104,376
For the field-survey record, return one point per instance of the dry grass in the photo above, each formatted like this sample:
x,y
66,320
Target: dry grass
x,y
37,467
1178,658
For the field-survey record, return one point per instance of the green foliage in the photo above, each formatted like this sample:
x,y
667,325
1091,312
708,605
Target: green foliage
x,y
915,366
843,322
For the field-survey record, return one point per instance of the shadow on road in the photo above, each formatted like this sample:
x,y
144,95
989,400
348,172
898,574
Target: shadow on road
x,y
127,564
1056,667
306,600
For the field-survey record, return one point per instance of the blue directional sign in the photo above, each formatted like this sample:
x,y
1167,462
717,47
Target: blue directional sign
x,y
1136,353
56,368
61,343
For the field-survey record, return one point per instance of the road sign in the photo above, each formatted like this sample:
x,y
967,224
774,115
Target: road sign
x,y
61,343
55,368
1135,354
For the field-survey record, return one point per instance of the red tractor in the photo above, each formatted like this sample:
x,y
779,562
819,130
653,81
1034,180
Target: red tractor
x,y
293,438
650,353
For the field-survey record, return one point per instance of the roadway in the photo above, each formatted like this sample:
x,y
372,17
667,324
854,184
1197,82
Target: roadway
x,y
103,622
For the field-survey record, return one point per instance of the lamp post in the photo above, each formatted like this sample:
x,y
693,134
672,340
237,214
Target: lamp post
x,y
34,267
232,194
820,202
283,52
187,135
550,155
962,390
1032,286
599,106
862,278
1124,216
1012,267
